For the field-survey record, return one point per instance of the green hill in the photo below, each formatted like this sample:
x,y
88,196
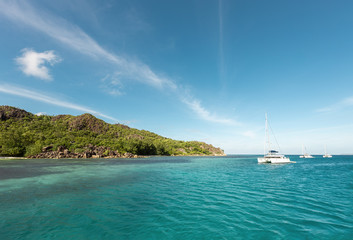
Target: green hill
x,y
24,134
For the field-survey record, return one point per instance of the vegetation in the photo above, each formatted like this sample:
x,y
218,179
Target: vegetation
x,y
24,134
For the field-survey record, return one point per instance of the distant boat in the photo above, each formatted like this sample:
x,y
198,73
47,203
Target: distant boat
x,y
326,155
272,156
305,154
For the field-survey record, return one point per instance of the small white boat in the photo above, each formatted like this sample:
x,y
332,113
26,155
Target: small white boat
x,y
305,154
326,155
272,156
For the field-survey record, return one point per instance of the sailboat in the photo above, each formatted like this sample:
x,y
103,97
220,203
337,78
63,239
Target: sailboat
x,y
326,155
305,154
272,156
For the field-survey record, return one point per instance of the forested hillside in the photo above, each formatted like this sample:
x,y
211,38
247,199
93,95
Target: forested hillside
x,y
25,134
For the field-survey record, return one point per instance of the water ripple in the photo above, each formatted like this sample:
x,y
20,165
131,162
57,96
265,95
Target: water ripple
x,y
179,198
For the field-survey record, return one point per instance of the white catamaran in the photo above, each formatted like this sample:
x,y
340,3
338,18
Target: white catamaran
x,y
272,156
305,154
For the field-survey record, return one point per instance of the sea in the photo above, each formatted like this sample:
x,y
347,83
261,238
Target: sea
x,y
230,197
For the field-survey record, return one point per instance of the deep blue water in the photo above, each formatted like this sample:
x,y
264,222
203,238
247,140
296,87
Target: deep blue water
x,y
176,198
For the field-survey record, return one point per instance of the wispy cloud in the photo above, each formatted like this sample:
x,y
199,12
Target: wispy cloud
x,y
320,130
204,114
57,28
34,95
32,63
249,134
347,102
112,85
72,36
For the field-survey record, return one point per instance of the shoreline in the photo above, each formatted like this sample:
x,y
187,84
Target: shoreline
x,y
109,157
12,158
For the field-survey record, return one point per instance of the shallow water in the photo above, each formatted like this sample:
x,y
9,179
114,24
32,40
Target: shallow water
x,y
229,197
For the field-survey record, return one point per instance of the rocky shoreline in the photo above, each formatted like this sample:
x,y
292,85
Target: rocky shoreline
x,y
55,155
90,152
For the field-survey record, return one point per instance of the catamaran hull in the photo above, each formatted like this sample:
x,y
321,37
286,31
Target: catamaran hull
x,y
274,160
263,160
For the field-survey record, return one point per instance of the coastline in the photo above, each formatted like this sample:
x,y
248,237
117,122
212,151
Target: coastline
x,y
114,157
12,158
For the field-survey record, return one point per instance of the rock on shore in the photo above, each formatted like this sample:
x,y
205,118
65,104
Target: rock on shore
x,y
90,152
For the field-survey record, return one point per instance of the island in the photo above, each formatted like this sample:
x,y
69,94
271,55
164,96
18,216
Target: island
x,y
24,134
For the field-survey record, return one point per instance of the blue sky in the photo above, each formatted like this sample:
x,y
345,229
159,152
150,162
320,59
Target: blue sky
x,y
188,70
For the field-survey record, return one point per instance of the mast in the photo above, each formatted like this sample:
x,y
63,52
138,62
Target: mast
x,y
325,150
267,135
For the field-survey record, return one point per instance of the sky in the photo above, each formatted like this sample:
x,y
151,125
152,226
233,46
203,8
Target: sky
x,y
205,70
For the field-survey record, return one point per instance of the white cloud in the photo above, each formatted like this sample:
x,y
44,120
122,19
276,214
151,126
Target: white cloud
x,y
22,92
32,63
347,102
72,36
40,114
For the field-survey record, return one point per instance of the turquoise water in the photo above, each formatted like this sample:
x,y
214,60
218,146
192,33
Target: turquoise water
x,y
176,198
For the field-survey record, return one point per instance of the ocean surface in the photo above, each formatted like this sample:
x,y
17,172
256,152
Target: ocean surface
x,y
230,197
